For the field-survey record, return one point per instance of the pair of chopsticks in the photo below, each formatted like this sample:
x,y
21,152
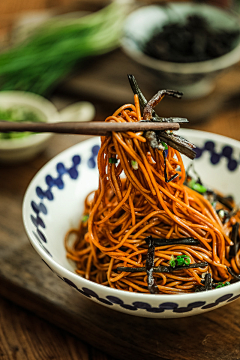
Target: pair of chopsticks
x,y
97,128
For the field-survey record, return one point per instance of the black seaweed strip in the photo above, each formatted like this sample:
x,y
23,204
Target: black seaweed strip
x,y
235,239
166,269
136,90
208,282
225,201
179,241
175,141
172,178
237,277
152,286
179,143
165,165
165,170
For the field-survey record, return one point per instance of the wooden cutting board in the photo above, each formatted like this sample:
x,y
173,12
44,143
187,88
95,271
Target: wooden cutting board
x,y
26,280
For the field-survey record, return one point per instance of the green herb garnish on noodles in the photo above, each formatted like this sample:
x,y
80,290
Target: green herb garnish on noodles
x,y
134,164
180,260
113,160
85,218
221,284
197,187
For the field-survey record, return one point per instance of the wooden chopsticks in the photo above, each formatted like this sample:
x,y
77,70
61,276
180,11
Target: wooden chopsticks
x,y
97,128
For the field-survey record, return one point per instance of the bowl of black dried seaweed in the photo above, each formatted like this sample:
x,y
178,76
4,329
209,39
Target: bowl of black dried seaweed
x,y
187,45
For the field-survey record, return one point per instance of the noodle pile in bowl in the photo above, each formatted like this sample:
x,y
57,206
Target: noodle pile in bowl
x,y
144,230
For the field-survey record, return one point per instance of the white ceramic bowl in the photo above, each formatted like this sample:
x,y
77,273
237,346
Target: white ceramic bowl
x,y
194,79
53,204
27,147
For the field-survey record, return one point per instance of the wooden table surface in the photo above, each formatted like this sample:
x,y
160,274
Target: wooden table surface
x,y
23,335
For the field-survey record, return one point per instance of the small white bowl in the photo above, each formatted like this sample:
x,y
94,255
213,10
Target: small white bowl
x,y
27,147
194,79
53,204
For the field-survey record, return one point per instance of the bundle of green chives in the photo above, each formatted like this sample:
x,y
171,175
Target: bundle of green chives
x,y
56,47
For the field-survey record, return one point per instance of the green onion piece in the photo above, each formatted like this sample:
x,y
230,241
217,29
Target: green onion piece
x,y
134,164
187,260
113,160
164,144
172,262
221,284
191,183
200,188
197,187
85,218
183,260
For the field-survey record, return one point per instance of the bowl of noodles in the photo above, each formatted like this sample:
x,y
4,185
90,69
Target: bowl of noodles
x,y
139,229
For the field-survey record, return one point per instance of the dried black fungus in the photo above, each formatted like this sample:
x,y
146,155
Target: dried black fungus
x,y
192,41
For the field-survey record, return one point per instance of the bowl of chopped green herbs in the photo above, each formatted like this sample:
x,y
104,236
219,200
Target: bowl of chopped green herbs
x,y
25,107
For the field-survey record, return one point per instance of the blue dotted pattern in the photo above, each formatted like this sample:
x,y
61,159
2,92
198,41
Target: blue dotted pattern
x,y
92,159
58,181
137,305
223,298
40,208
215,157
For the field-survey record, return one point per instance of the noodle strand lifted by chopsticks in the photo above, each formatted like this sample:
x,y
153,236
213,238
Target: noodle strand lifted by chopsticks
x,y
133,201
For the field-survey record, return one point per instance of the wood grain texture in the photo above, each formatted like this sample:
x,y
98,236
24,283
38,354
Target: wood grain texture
x,y
48,341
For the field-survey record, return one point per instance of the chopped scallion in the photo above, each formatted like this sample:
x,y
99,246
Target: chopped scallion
x,y
164,144
134,164
172,262
197,187
113,160
221,284
180,260
85,218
